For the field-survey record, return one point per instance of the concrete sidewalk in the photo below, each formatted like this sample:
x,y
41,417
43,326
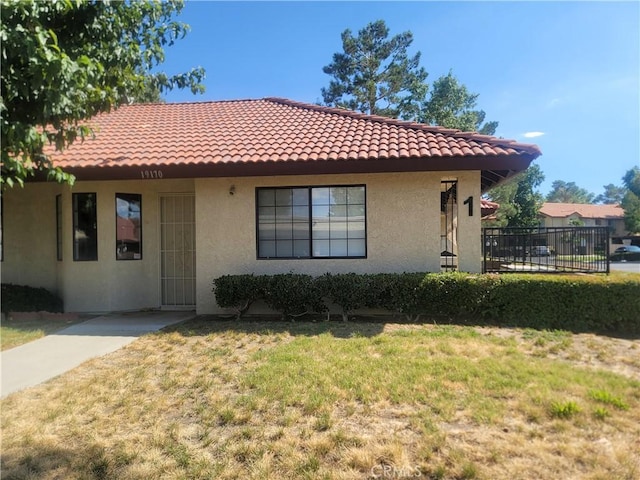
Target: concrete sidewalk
x,y
50,356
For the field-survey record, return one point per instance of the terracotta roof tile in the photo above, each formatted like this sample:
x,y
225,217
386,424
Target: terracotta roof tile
x,y
270,129
561,210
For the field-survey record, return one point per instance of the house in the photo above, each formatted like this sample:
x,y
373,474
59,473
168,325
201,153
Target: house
x,y
584,215
170,196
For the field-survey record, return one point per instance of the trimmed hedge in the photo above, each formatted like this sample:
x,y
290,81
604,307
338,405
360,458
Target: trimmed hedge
x,y
567,302
21,298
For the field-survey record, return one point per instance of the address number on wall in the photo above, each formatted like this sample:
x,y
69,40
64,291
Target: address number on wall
x,y
150,174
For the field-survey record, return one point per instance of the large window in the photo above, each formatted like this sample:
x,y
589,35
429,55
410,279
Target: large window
x,y
312,222
128,226
85,227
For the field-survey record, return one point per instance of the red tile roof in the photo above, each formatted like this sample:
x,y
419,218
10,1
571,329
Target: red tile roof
x,y
561,210
276,130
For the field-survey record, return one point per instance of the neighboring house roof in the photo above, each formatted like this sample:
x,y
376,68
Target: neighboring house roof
x,y
488,209
277,136
562,210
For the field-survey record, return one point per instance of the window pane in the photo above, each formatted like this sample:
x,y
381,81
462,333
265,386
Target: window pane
x,y
338,229
301,248
301,230
338,195
266,214
320,230
338,248
355,195
267,231
284,248
320,212
301,196
301,214
283,197
357,248
266,197
321,248
284,214
338,212
267,249
85,227
59,227
284,231
356,212
321,196
356,230
128,226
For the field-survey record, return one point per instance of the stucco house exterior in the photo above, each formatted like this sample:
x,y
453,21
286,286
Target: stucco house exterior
x,y
170,196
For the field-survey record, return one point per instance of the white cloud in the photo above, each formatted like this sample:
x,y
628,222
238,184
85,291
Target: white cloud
x,y
532,134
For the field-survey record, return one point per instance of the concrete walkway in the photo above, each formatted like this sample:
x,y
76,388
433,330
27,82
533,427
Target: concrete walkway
x,y
38,361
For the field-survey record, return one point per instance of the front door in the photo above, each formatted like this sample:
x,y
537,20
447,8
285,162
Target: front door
x,y
178,251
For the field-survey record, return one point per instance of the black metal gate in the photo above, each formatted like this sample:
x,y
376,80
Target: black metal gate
x,y
546,249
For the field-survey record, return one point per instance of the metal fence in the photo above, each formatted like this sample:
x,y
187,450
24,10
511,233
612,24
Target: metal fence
x,y
551,249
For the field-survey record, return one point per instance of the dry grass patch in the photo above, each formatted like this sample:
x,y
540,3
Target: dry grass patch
x,y
218,399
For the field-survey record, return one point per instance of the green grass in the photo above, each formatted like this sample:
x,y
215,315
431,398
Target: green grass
x,y
18,332
328,400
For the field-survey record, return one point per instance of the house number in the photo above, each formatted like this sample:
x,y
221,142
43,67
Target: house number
x,y
148,174
469,201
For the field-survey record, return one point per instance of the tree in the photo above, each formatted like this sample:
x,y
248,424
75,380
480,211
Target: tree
x,y
612,195
563,192
519,200
375,75
65,61
451,105
631,201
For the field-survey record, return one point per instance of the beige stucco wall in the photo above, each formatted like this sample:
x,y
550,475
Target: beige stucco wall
x,y
403,227
87,286
403,234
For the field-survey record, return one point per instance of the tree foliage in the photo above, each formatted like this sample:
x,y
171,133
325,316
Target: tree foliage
x,y
451,105
612,195
519,199
568,192
375,74
65,61
631,201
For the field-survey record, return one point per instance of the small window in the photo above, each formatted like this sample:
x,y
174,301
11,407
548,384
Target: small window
x,y
312,222
128,226
59,227
85,227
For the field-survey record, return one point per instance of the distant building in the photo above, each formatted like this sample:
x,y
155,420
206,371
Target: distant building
x,y
586,215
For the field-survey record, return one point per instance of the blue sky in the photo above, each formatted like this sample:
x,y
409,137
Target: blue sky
x,y
563,75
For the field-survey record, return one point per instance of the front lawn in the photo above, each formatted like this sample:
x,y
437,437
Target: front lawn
x,y
14,332
333,400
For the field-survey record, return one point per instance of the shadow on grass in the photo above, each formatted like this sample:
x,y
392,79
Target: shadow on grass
x,y
365,326
269,325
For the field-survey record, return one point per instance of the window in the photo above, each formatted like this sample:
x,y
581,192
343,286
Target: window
x,y
59,227
312,222
85,227
128,226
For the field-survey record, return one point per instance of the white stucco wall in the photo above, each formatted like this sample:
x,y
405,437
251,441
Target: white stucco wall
x,y
85,286
403,234
403,227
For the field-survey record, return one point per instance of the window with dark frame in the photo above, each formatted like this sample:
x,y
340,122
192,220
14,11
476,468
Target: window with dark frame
x,y
311,222
59,227
85,227
128,226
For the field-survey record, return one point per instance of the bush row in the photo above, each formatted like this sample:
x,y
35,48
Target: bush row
x,y
578,303
21,298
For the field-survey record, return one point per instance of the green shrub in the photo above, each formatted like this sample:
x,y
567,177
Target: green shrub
x,y
22,298
238,292
293,294
550,302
